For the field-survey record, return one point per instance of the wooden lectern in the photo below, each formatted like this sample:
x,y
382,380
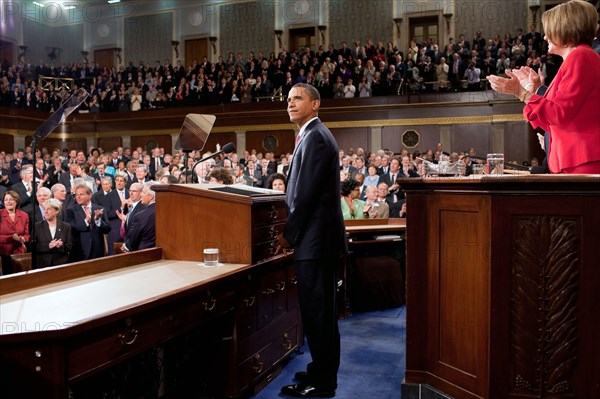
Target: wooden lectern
x,y
503,286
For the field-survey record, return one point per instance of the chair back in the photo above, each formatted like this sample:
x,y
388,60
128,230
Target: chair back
x,y
21,262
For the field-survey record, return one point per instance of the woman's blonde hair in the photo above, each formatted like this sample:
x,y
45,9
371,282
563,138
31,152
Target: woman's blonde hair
x,y
53,203
574,22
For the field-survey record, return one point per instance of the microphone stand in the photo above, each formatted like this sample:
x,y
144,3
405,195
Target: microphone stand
x,y
32,238
221,151
186,156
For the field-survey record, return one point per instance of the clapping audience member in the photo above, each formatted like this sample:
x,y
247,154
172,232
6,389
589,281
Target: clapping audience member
x,y
142,233
25,186
570,103
89,224
352,207
375,209
53,237
14,230
110,200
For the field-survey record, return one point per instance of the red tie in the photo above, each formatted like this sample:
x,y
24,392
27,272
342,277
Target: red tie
x,y
297,139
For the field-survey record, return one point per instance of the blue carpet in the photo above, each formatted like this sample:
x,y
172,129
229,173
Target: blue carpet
x,y
373,358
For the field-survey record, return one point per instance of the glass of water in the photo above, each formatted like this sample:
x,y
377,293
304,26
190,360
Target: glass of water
x,y
211,257
495,164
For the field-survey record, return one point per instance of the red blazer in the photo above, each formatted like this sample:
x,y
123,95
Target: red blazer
x,y
8,246
570,111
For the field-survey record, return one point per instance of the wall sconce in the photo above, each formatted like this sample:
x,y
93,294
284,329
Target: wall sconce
x,y
322,29
448,18
213,40
175,43
118,54
85,54
398,21
534,10
22,50
278,34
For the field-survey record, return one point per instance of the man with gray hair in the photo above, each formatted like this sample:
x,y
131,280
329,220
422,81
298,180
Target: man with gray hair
x,y
88,224
25,186
110,200
142,233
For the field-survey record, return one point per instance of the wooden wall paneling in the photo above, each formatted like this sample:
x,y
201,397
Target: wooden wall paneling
x,y
195,48
7,143
105,57
459,264
150,141
286,140
219,138
429,136
52,142
109,143
352,137
478,136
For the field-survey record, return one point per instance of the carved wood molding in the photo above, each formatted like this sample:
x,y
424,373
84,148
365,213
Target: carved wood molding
x,y
545,283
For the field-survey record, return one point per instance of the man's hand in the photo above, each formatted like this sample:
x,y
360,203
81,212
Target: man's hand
x,y
98,214
283,245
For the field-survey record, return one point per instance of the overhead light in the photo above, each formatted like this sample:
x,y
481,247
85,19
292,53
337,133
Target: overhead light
x,y
38,4
113,1
69,7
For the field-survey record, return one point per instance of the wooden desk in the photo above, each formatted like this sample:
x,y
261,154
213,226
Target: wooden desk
x,y
503,286
374,270
64,326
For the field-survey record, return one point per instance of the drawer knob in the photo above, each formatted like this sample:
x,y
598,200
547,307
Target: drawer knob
x,y
268,291
272,233
125,341
280,286
210,305
273,214
249,302
293,280
258,365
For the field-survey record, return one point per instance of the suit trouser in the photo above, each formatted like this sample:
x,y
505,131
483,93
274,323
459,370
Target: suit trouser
x,y
317,293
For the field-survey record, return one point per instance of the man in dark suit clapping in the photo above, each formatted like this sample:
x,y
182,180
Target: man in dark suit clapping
x,y
315,229
88,223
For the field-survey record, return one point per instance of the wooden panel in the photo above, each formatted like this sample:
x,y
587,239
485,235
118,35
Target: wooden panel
x,y
352,137
459,266
188,243
51,142
7,143
218,138
195,48
104,57
149,142
7,52
109,143
285,141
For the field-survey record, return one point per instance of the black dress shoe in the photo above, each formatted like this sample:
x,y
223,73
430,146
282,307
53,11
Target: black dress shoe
x,y
301,376
307,391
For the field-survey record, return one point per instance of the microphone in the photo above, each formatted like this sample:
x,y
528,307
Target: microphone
x,y
227,148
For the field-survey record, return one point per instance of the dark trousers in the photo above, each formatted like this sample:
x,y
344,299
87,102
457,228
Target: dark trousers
x,y
317,287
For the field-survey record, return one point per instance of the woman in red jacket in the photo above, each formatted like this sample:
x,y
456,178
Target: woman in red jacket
x,y
14,230
569,108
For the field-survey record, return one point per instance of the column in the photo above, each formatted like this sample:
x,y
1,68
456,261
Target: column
x,y
240,142
375,134
126,141
19,142
446,138
174,137
498,137
91,142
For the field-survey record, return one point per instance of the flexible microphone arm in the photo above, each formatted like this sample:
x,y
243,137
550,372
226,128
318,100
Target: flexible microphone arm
x,y
227,148
507,164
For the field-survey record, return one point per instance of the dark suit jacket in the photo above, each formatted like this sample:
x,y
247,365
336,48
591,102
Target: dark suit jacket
x,y
20,189
130,214
315,227
55,256
111,203
153,165
88,241
65,180
142,230
2,192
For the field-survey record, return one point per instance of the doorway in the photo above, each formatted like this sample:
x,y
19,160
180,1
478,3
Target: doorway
x,y
104,58
302,37
7,52
195,48
424,28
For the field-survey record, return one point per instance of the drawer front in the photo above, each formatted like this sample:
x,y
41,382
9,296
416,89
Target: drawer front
x,y
267,233
254,366
268,213
107,345
285,343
